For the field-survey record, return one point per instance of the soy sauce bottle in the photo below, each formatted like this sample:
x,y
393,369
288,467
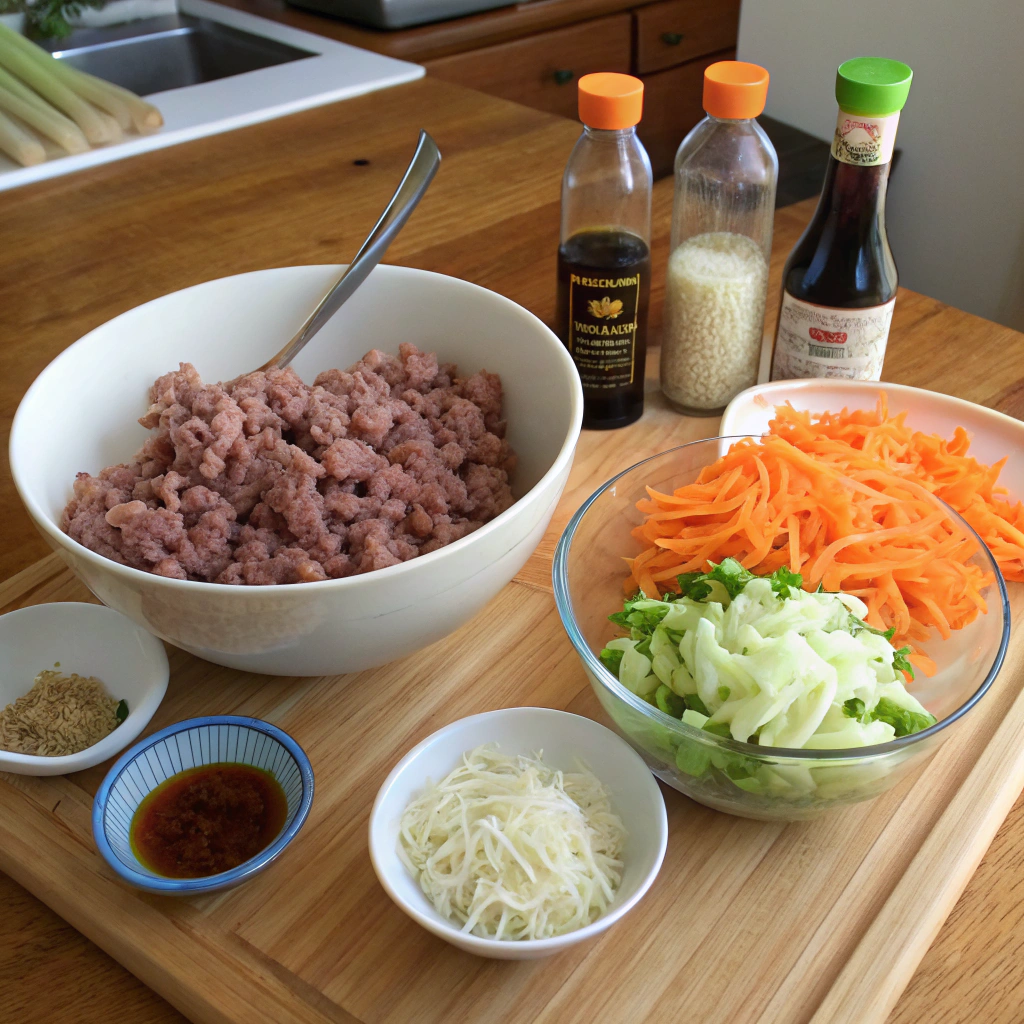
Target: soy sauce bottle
x,y
839,283
604,260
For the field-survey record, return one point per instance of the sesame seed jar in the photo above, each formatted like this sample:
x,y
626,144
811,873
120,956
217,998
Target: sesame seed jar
x,y
717,279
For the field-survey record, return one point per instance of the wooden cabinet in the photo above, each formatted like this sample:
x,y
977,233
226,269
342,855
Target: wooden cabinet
x,y
675,31
541,71
672,106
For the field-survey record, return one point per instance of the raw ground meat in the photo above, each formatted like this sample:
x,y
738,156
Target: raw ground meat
x,y
269,480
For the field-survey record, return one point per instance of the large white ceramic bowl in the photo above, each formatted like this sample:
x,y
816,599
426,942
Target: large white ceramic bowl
x,y
565,740
81,412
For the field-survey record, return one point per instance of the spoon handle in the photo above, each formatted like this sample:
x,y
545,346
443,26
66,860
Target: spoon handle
x,y
419,175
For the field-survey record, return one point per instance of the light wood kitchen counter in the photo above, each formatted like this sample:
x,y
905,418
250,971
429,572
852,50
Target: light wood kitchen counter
x,y
80,249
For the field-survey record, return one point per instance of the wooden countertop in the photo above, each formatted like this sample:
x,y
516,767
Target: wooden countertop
x,y
83,248
424,42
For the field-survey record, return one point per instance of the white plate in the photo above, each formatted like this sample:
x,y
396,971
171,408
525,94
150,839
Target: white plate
x,y
563,738
89,640
993,434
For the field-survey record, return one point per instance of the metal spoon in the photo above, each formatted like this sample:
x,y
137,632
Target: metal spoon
x,y
421,171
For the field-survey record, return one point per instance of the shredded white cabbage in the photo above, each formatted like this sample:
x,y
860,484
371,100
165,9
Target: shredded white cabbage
x,y
779,672
511,849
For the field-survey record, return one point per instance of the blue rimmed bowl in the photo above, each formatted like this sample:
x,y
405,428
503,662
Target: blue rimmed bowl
x,y
191,744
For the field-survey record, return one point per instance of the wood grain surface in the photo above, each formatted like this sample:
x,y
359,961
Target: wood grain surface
x,y
81,249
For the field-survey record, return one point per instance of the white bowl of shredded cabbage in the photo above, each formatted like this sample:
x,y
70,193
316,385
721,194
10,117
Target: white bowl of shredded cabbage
x,y
517,833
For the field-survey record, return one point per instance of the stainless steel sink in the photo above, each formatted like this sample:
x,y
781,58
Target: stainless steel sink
x,y
157,54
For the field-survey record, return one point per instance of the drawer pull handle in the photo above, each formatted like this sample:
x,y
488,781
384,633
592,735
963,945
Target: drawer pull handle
x,y
671,38
564,76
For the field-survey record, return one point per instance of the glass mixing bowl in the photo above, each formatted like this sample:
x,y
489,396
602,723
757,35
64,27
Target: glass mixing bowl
x,y
745,778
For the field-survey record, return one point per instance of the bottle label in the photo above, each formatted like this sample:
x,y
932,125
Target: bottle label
x,y
864,141
602,327
818,341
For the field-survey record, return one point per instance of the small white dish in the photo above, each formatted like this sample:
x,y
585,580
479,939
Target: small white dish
x,y
90,640
994,435
563,738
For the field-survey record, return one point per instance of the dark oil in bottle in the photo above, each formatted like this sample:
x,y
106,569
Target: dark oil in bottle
x,y
604,282
842,262
843,259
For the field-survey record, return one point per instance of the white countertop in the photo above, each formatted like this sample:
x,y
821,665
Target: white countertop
x,y
336,72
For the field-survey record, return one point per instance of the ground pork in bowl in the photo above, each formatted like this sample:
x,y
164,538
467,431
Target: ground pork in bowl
x,y
266,480
465,412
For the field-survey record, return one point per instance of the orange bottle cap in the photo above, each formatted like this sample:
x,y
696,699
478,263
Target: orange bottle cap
x,y
610,101
734,89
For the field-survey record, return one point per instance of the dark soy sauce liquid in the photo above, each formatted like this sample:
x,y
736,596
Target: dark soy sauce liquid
x,y
613,392
843,259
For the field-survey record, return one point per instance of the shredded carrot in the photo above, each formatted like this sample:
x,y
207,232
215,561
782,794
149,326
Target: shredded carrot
x,y
845,499
862,442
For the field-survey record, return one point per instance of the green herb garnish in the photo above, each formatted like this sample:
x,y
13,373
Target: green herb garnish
x,y
733,577
693,585
901,662
640,621
902,719
859,626
783,579
856,708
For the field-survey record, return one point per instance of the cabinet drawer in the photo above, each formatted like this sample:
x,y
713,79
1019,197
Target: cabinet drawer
x,y
541,71
672,106
675,31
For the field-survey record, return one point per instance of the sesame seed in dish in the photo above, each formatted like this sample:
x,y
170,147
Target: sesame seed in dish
x,y
60,715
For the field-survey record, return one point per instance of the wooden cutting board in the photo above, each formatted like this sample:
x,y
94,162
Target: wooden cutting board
x,y
821,921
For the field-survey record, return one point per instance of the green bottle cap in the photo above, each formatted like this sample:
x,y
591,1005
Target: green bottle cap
x,y
872,86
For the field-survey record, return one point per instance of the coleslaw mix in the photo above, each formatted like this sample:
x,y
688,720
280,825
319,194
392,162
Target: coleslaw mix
x,y
762,661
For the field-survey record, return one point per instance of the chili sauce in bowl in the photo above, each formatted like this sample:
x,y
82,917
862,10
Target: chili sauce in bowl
x,y
209,819
202,805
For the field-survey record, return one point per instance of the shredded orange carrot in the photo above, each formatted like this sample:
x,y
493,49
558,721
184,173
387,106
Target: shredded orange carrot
x,y
845,499
861,441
